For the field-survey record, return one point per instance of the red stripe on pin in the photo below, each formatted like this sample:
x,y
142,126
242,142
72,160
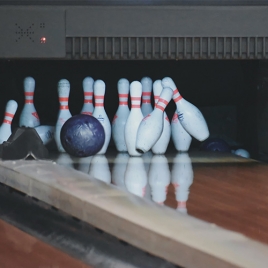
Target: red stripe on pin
x,y
88,113
99,104
135,106
163,101
123,103
99,97
146,101
178,98
135,98
146,93
63,99
64,107
9,115
123,95
88,93
175,91
7,121
28,94
28,101
88,101
159,107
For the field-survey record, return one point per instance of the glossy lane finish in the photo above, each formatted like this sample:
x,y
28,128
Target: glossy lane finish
x,y
18,249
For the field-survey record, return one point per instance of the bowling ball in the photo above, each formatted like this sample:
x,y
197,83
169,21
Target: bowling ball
x,y
82,135
215,145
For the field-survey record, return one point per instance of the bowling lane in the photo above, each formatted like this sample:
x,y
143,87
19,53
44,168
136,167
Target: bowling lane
x,y
223,189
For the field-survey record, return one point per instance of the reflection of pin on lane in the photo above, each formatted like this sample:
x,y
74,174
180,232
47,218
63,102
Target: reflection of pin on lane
x,y
119,169
5,129
100,114
64,113
190,117
159,178
29,116
121,116
88,95
151,127
136,176
134,118
182,178
99,168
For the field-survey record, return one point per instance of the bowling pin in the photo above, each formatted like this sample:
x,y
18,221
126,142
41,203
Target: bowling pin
x,y
64,113
134,118
119,169
5,129
180,137
147,86
151,126
161,145
100,114
182,178
99,168
46,133
159,178
88,95
29,116
121,116
136,176
189,115
242,152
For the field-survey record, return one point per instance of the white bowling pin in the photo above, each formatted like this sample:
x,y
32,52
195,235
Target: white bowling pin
x,y
242,153
189,115
99,168
159,178
5,129
121,116
136,176
151,126
100,114
182,178
88,107
64,113
161,145
46,133
134,118
119,169
180,137
147,86
29,116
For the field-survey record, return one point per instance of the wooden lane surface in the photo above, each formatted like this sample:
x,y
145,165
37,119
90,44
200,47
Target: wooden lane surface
x,y
161,231
233,196
18,249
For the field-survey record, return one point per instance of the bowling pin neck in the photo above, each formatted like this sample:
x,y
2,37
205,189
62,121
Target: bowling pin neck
x,y
161,104
135,102
123,99
8,118
99,100
63,103
146,97
176,95
28,97
156,99
88,97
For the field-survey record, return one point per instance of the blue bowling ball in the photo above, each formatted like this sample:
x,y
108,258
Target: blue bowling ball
x,y
82,135
215,145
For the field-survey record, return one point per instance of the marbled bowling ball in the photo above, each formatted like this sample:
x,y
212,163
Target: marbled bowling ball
x,y
82,135
215,145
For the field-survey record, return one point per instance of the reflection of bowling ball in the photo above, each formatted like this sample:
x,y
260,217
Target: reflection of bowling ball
x,y
215,145
82,135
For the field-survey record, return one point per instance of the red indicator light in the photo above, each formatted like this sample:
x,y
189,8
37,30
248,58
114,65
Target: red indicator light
x,y
43,40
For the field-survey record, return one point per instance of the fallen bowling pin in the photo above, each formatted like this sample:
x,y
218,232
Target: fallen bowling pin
x,y
151,126
46,133
189,115
242,152
121,116
29,116
5,129
161,145
134,118
88,107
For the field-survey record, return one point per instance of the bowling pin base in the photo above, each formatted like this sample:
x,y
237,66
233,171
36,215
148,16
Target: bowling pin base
x,y
23,143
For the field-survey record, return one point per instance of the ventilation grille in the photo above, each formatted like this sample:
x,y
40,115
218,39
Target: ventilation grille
x,y
163,48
